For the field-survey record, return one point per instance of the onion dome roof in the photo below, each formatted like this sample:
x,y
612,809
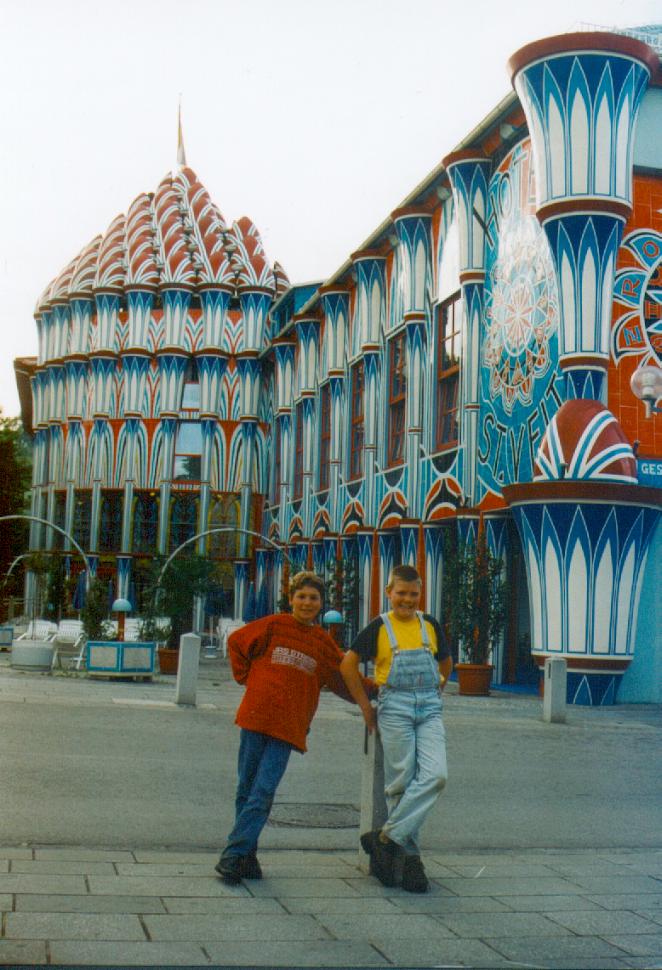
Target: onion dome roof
x,y
175,237
584,441
82,279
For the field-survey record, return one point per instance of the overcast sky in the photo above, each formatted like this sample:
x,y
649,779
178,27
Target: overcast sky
x,y
315,118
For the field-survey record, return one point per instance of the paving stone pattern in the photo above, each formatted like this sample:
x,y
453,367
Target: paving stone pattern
x,y
548,909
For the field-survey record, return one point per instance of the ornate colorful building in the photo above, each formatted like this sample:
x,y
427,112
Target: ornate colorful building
x,y
467,367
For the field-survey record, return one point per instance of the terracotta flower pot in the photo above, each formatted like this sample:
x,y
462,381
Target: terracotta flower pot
x,y
168,660
474,679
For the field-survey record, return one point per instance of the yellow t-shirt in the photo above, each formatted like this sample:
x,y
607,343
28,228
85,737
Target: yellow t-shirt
x,y
408,636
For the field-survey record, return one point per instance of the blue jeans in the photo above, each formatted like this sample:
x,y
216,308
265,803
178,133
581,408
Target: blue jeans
x,y
262,764
415,770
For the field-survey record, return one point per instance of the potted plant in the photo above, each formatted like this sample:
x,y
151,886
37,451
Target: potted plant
x,y
33,650
169,604
474,603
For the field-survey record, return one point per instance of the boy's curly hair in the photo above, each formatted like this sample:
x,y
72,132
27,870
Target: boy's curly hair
x,y
305,578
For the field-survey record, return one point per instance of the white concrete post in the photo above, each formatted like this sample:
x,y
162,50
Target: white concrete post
x,y
556,685
187,672
373,804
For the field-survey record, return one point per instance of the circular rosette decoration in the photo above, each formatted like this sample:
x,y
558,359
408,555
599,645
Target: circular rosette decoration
x,y
521,315
638,291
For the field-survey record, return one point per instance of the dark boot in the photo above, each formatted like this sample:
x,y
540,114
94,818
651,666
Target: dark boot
x,y
382,857
249,867
414,879
229,869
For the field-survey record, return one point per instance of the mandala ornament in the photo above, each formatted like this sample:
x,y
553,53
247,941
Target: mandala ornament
x,y
522,311
638,289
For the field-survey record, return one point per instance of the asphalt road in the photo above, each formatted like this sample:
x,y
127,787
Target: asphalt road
x,y
109,765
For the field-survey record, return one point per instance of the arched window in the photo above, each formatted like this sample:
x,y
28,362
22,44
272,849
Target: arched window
x,y
357,430
110,522
145,522
82,516
397,398
183,519
224,512
449,356
58,519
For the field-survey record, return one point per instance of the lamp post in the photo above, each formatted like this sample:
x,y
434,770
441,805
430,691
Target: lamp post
x,y
121,607
333,620
646,384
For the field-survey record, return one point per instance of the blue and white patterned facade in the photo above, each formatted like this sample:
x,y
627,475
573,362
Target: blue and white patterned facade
x,y
453,374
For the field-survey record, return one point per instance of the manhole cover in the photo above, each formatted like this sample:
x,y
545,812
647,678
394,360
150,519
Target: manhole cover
x,y
311,815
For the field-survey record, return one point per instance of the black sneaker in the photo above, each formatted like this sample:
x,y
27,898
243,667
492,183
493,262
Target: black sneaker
x,y
229,869
382,857
414,879
249,867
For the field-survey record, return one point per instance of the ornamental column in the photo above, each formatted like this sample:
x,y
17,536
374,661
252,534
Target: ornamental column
x,y
335,302
307,330
581,94
250,372
469,173
370,284
284,382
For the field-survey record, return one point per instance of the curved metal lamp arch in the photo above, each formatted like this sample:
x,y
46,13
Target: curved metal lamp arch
x,y
67,535
225,528
23,555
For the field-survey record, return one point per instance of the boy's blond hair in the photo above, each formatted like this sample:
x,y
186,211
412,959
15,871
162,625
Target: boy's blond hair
x,y
306,578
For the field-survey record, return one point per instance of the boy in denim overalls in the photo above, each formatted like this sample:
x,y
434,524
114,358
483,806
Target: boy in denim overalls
x,y
412,663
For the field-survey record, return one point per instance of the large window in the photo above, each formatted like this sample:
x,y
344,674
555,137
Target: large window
x,y
110,523
224,512
184,519
449,322
145,522
278,447
191,392
397,399
59,512
325,435
298,452
82,516
188,452
358,419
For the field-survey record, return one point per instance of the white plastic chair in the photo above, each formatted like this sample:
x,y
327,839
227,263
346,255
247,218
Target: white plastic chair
x,y
132,626
39,630
69,641
225,628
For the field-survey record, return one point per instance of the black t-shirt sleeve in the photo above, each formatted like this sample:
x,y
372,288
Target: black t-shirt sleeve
x,y
365,642
443,649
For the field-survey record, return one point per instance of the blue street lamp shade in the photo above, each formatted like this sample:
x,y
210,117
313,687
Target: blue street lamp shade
x,y
121,606
332,618
250,613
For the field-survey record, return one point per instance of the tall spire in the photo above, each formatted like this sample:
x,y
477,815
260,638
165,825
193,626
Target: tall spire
x,y
181,154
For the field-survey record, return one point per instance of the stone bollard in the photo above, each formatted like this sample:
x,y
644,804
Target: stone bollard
x,y
373,804
187,673
556,686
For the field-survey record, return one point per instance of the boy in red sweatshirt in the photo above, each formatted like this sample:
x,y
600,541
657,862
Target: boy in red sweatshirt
x,y
284,660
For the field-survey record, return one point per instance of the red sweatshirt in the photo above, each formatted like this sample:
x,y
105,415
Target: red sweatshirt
x,y
284,665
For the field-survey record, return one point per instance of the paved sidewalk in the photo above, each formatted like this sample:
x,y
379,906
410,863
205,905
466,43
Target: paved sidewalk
x,y
543,909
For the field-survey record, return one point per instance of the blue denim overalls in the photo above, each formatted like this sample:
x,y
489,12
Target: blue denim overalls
x,y
413,738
